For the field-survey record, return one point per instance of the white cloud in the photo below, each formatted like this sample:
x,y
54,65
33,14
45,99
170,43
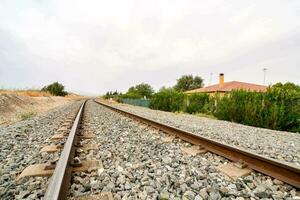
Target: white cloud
x,y
88,44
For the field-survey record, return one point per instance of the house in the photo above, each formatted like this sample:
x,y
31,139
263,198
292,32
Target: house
x,y
224,87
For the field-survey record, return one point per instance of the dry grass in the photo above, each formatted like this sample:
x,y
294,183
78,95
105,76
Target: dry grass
x,y
27,115
27,93
38,93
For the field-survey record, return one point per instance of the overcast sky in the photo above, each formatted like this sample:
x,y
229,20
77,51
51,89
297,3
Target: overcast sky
x,y
93,46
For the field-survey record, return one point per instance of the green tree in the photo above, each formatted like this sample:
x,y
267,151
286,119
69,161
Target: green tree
x,y
132,89
141,90
164,88
115,92
56,89
286,86
188,82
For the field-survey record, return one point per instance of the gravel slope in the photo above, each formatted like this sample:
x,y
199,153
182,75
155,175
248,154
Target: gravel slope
x,y
13,106
20,146
280,145
138,164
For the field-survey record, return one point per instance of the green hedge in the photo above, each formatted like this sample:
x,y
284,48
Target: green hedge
x,y
197,103
277,108
167,100
130,96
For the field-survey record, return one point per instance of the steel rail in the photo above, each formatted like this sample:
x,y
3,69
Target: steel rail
x,y
283,171
61,178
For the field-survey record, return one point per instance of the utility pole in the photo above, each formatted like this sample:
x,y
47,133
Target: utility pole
x,y
265,74
210,77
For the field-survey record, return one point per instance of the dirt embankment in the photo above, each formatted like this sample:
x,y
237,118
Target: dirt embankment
x,y
15,107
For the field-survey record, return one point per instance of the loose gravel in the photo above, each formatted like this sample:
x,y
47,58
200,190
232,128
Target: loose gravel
x,y
20,146
280,145
139,164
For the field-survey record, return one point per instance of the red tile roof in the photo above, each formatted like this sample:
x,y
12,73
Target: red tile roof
x,y
229,86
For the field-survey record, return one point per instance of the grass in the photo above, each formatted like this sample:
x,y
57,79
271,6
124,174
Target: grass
x,y
27,115
197,114
205,115
28,93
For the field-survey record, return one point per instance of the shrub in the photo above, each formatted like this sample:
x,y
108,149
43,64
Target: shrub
x,y
281,109
231,106
131,96
56,89
114,95
275,109
167,100
27,115
197,102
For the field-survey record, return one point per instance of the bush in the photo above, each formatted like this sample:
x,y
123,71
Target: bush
x,y
278,108
131,96
275,109
281,109
27,115
112,95
197,102
56,89
167,100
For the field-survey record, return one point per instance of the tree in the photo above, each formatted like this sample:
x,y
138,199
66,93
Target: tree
x,y
115,92
56,89
188,82
132,89
164,88
198,82
286,86
144,89
141,90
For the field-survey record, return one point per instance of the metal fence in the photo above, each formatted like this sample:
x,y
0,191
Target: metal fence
x,y
137,102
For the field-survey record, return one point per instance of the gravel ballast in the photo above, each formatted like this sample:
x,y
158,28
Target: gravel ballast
x,y
280,145
20,146
140,164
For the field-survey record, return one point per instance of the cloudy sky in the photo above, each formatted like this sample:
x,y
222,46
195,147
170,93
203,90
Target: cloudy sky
x,y
93,46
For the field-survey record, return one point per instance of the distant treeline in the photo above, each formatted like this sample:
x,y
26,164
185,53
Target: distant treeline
x,y
278,108
144,90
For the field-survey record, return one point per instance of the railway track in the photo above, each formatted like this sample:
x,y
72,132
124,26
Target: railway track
x,y
74,137
70,134
60,180
280,170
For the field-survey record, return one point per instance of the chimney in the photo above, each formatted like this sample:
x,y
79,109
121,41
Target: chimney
x,y
221,80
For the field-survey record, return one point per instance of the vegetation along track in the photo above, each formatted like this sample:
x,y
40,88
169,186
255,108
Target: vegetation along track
x,y
279,170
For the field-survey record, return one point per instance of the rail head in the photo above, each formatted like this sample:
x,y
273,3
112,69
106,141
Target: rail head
x,y
61,176
281,170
